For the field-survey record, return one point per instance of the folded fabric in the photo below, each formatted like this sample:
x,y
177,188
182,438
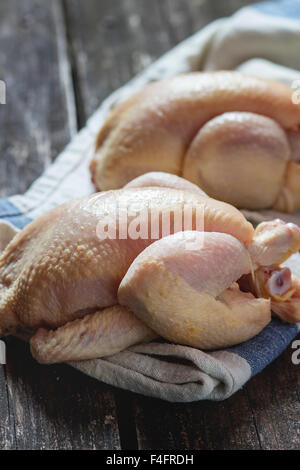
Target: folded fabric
x,y
261,40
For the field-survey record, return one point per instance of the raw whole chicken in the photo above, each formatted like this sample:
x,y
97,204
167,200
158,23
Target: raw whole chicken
x,y
101,273
235,136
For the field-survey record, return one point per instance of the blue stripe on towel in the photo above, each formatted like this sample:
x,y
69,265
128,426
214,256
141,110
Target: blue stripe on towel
x,y
267,345
283,8
12,214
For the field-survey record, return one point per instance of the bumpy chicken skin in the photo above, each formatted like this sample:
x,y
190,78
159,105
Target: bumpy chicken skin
x,y
60,276
236,136
58,266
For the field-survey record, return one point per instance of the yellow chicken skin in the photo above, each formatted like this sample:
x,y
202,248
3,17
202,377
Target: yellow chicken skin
x,y
235,136
184,287
65,277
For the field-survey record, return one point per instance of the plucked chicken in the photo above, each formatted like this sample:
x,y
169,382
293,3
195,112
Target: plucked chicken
x,y
101,273
235,136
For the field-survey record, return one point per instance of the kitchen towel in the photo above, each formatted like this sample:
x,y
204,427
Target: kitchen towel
x,y
262,40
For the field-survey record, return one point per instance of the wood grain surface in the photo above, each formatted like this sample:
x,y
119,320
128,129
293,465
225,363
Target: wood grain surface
x,y
59,60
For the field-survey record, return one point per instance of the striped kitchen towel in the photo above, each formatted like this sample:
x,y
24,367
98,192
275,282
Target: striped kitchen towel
x,y
262,40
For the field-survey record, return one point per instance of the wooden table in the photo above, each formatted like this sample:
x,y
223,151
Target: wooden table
x,y
59,59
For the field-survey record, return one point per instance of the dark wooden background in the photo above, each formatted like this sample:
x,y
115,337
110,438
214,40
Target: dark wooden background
x,y
59,59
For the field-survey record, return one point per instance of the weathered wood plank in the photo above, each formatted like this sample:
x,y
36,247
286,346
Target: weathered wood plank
x,y
274,396
222,9
7,435
203,425
41,407
57,407
98,47
36,121
111,42
185,18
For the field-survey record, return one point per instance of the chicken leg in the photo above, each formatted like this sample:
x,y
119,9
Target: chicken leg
x,y
184,285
